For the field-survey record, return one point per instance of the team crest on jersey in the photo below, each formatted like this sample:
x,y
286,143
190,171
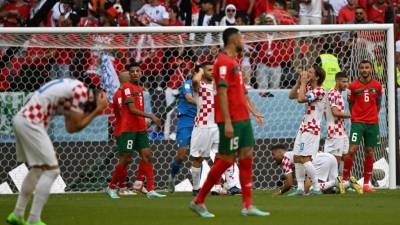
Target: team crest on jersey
x,y
235,69
222,71
127,91
373,90
187,86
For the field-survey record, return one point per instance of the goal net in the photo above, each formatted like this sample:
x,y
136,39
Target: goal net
x,y
271,62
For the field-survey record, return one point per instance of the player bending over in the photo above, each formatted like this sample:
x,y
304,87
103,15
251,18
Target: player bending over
x,y
235,131
308,89
325,165
205,135
79,106
134,131
365,103
186,113
121,168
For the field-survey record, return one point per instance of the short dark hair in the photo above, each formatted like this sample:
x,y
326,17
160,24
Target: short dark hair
x,y
228,33
244,17
206,63
320,72
278,146
365,61
132,64
359,7
341,75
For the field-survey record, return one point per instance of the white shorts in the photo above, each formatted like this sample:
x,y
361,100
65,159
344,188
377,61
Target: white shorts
x,y
204,140
326,167
306,144
337,146
33,144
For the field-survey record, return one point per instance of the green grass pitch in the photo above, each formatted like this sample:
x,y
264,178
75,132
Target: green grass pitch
x,y
380,208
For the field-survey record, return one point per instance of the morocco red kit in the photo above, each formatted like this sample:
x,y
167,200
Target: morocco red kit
x,y
130,122
117,106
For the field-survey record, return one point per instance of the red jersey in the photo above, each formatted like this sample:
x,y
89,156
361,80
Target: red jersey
x,y
130,122
227,73
364,99
346,15
117,107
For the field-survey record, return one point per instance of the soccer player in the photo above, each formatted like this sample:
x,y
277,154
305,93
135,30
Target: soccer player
x,y
121,168
365,102
80,106
205,135
186,114
134,131
235,131
337,142
325,165
308,89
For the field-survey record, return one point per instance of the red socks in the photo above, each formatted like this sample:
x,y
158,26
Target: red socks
x,y
120,173
140,171
348,164
368,165
218,181
246,179
147,169
214,175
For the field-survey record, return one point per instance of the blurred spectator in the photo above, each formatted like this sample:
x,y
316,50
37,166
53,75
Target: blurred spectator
x,y
336,5
347,13
379,62
262,6
310,12
61,8
281,14
90,20
206,17
376,12
153,14
242,20
14,13
242,6
229,18
173,16
360,16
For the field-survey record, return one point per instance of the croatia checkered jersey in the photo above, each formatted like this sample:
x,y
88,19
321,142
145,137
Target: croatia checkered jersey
x,y
315,108
336,126
117,107
288,162
55,97
204,96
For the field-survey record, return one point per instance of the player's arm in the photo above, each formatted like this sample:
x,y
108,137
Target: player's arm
x,y
287,183
76,121
138,112
336,112
223,99
258,116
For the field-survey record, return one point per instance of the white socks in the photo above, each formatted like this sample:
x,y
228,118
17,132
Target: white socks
x,y
196,175
310,170
230,176
327,185
300,175
27,188
42,193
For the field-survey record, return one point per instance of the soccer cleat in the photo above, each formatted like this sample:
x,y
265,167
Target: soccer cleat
x,y
13,219
201,210
355,185
112,193
368,188
154,194
195,192
315,192
253,211
218,190
138,186
297,192
37,223
340,185
126,191
234,191
171,184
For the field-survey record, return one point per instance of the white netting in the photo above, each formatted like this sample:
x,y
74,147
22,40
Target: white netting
x,y
271,62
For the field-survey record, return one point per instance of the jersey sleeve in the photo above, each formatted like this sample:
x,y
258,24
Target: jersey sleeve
x,y
79,97
350,95
117,101
286,165
222,72
187,88
315,94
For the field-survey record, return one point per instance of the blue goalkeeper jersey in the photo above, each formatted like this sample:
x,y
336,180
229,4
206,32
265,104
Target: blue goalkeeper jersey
x,y
186,110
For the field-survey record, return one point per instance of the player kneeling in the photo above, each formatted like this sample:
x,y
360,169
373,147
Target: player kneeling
x,y
79,106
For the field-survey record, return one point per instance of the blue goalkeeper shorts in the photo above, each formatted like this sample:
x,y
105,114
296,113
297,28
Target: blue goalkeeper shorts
x,y
183,136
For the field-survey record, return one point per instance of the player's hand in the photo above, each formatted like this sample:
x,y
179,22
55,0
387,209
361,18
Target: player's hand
x,y
259,119
101,102
228,130
156,120
304,77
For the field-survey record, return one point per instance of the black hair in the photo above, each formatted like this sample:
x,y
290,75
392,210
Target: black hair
x,y
365,61
341,75
244,17
320,72
132,64
228,33
278,146
206,63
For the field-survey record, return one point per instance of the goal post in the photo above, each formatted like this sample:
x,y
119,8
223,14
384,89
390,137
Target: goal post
x,y
87,158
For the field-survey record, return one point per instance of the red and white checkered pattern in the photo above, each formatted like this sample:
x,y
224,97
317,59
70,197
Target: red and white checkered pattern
x,y
205,105
336,126
60,98
315,110
288,162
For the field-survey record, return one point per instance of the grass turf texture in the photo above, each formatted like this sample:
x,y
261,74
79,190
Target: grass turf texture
x,y
381,207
